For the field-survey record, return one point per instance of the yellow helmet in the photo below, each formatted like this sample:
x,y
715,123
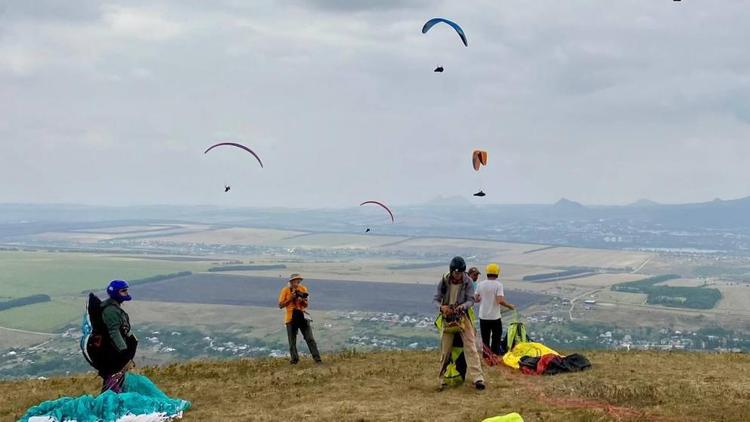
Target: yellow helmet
x,y
493,269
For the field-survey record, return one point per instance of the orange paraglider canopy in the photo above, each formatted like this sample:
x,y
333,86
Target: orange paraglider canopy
x,y
478,159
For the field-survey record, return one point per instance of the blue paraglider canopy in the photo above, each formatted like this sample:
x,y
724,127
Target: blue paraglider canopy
x,y
430,23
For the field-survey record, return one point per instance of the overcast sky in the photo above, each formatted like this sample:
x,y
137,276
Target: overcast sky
x,y
603,102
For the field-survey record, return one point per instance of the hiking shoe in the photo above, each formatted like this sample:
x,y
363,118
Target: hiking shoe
x,y
479,385
318,361
294,362
442,387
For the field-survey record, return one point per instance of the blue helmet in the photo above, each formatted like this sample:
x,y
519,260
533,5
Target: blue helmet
x,y
113,290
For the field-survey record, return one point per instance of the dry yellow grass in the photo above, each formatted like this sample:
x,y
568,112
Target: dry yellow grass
x,y
581,257
490,246
734,298
12,338
610,296
338,240
93,236
400,386
233,236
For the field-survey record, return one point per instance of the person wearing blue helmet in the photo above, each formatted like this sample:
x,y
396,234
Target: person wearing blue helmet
x,y
117,323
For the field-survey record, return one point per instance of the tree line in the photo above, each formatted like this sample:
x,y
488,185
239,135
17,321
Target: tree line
x,y
23,301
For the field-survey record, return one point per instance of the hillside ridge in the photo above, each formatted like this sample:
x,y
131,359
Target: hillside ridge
x,y
401,385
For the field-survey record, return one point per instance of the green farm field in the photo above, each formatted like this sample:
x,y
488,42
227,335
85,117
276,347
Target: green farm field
x,y
63,276
59,274
46,317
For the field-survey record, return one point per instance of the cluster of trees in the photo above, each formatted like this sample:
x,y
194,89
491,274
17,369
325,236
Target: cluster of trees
x,y
159,277
684,297
558,275
642,286
677,297
23,301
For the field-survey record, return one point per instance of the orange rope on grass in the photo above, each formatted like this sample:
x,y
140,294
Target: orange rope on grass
x,y
617,412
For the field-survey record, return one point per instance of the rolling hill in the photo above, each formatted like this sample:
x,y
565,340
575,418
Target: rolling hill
x,y
401,386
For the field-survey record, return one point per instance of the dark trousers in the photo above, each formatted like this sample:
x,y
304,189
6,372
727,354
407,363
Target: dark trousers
x,y
307,334
492,331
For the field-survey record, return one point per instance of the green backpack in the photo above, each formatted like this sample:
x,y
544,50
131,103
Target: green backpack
x,y
516,333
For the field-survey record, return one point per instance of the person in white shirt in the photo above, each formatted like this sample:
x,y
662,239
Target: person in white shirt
x,y
490,296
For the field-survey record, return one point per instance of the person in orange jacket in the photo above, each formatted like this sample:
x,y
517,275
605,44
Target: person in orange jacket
x,y
294,299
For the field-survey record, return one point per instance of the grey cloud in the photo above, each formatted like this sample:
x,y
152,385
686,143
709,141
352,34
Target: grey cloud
x,y
599,103
345,6
50,10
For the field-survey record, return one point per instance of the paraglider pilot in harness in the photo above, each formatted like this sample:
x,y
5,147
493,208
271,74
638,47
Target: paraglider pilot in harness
x,y
294,298
455,297
117,322
108,344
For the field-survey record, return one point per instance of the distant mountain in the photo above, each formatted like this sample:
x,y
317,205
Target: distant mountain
x,y
564,222
644,203
734,213
567,204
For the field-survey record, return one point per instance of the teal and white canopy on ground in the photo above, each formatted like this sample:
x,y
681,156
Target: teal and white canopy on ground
x,y
140,398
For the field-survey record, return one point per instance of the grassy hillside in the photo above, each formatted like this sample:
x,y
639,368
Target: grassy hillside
x,y
401,386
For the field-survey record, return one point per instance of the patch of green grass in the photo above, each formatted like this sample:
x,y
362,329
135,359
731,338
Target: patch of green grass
x,y
47,317
57,274
721,271
63,276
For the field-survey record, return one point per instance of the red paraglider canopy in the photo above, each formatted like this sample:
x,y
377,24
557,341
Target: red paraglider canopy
x,y
234,144
393,220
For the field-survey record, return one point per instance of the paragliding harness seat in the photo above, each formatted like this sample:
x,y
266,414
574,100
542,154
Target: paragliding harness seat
x,y
455,372
96,344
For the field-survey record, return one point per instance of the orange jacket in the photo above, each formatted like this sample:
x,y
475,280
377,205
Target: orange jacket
x,y
296,303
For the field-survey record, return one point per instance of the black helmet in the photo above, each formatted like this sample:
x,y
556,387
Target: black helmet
x,y
458,264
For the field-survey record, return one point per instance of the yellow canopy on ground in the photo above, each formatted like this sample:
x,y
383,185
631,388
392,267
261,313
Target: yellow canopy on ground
x,y
526,349
510,417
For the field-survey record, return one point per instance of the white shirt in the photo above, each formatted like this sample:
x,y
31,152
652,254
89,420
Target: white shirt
x,y
488,291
